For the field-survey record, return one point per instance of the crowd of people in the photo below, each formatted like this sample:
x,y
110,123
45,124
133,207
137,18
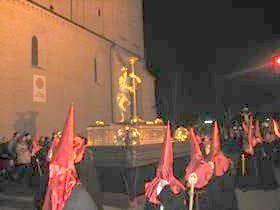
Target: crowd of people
x,y
223,159
32,162
60,169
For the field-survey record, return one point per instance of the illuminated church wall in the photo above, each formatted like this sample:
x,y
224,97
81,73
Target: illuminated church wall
x,y
118,20
77,65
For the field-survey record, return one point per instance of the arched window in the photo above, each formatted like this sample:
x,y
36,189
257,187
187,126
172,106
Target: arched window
x,y
34,51
95,75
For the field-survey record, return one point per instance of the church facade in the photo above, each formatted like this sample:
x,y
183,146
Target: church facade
x,y
57,52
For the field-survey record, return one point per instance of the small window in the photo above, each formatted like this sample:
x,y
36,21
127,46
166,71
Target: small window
x,y
98,12
95,75
34,52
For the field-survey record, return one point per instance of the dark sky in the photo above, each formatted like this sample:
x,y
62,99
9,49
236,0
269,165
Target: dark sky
x,y
198,41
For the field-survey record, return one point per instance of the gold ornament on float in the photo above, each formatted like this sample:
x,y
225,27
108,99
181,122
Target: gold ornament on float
x,y
99,123
127,136
158,121
135,120
181,134
149,122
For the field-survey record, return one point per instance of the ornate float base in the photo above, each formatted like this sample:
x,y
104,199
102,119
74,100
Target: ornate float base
x,y
124,169
105,135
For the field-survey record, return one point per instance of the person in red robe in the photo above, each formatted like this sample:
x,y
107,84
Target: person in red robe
x,y
202,169
221,184
64,189
165,190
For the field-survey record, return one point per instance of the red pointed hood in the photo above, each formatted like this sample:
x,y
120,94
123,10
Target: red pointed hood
x,y
245,128
62,172
216,146
198,137
257,129
166,162
221,162
195,149
251,138
197,164
164,171
258,133
36,147
276,128
64,152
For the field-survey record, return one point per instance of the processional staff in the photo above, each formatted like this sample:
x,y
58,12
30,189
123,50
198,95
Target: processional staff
x,y
192,181
135,79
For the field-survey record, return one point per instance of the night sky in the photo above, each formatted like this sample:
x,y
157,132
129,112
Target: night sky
x,y
196,43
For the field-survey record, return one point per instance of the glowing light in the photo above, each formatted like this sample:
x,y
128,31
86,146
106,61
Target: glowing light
x,y
99,123
125,132
149,122
132,60
181,134
158,121
278,60
208,121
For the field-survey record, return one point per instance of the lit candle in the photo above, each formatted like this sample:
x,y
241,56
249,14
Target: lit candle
x,y
243,164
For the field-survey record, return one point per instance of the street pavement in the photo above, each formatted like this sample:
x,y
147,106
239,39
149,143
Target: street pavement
x,y
17,197
260,199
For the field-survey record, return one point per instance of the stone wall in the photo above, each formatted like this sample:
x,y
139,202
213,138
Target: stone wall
x,y
117,20
66,59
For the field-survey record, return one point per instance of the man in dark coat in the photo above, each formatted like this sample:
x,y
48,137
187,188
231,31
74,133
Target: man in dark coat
x,y
88,176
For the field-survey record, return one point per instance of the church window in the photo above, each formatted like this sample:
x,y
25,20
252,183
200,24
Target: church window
x,y
34,53
95,75
98,12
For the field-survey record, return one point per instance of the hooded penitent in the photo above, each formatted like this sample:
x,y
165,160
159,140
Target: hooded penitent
x,y
79,149
197,164
258,133
220,161
198,137
276,128
62,172
164,171
53,147
245,128
36,145
251,137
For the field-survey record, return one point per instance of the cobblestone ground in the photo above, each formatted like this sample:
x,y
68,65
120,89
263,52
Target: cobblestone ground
x,y
18,197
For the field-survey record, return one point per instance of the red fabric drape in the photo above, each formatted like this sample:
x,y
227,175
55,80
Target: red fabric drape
x,y
276,128
221,162
62,172
197,164
164,171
